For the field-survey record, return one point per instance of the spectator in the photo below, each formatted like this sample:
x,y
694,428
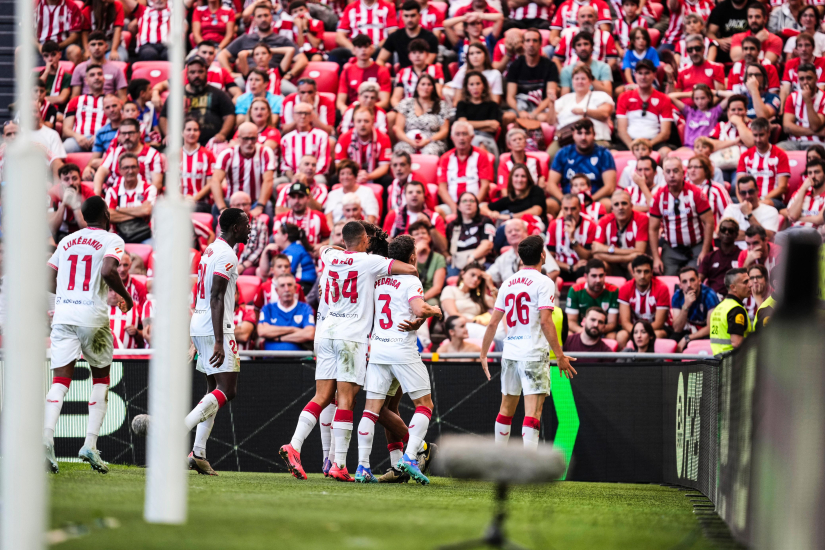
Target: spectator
x,y
757,19
632,120
126,333
566,12
700,174
432,266
593,292
48,112
299,213
476,28
805,56
257,82
432,20
213,21
281,265
736,131
478,108
758,251
580,186
464,169
802,119
571,238
368,98
364,69
786,16
478,59
113,109
351,207
602,80
532,82
678,11
114,79
400,42
302,141
602,46
368,148
729,17
621,236
248,167
196,166
578,159
249,258
700,71
287,324
399,220
135,288
58,81
643,182
469,235
216,76
524,199
151,27
767,163
422,123
59,21
292,242
260,114
472,298
683,212
66,198
261,57
808,20
130,201
305,176
507,49
140,91
401,167
348,177
507,264
761,102
760,289
807,204
375,19
638,49
691,306
643,298
211,107
643,341
516,140
585,100
307,33
700,115
84,114
456,342
713,267
750,211
245,322
324,108
48,140
151,164
641,148
589,339
628,20
752,54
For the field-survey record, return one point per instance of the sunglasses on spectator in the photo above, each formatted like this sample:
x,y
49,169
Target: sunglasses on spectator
x,y
729,230
695,49
645,107
747,192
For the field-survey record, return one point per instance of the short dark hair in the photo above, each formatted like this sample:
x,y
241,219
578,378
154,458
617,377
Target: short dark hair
x,y
264,6
688,269
416,183
419,44
229,218
630,2
740,98
761,124
805,67
127,156
92,66
137,86
411,5
647,158
754,230
260,72
68,169
593,263
130,122
361,41
97,36
94,209
730,276
210,43
262,45
401,248
306,81
529,250
449,324
584,124
587,36
759,6
347,163
415,226
761,268
353,231
295,5
50,46
641,259
816,162
753,41
39,83
596,309
747,178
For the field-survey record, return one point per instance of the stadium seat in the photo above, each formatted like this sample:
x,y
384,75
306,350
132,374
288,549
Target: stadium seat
x,y
81,159
329,41
612,344
139,278
657,10
665,345
453,68
328,96
655,35
545,37
203,217
440,6
671,281
478,342
153,71
122,65
425,168
684,155
452,281
699,347
248,288
325,74
142,250
621,158
797,161
618,281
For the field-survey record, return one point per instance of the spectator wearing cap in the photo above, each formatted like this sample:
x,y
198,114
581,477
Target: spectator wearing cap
x,y
621,236
287,324
808,202
713,267
645,112
348,177
305,176
593,292
508,263
691,306
683,214
258,235
299,213
369,148
767,163
364,69
398,220
750,211
758,250
399,41
644,298
308,93
571,238
212,108
114,79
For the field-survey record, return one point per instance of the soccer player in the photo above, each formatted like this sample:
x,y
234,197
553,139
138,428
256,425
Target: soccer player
x,y
341,348
394,354
85,268
527,299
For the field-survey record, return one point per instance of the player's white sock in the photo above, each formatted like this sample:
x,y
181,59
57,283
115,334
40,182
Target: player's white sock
x,y
306,421
418,430
54,402
503,425
98,402
530,432
326,426
202,436
396,452
342,430
366,433
208,406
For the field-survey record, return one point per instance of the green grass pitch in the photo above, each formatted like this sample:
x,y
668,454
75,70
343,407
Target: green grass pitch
x,y
274,511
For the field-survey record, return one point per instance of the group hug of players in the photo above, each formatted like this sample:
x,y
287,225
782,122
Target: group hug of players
x,y
371,300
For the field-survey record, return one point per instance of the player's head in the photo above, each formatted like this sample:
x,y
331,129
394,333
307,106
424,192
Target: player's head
x,y
235,224
531,251
355,236
95,212
402,248
377,239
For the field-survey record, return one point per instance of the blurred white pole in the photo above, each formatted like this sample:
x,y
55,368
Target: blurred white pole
x,y
23,477
170,382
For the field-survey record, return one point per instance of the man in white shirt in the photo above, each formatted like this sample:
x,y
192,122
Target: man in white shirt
x,y
507,264
751,211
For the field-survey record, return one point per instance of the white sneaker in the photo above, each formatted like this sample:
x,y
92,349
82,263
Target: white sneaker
x,y
51,459
92,456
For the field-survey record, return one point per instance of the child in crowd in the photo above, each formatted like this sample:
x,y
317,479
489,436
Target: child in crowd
x,y
48,112
629,19
701,118
580,185
640,147
58,80
639,49
703,146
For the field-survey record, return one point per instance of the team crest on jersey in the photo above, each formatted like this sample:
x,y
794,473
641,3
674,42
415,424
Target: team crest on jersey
x,y
655,101
709,72
297,318
594,160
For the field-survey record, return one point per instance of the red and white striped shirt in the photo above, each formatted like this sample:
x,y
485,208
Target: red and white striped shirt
x,y
791,73
532,163
148,310
681,49
765,168
118,321
153,26
316,190
603,46
622,29
718,198
796,105
274,86
380,122
376,21
324,107
643,305
676,27
88,112
736,83
595,210
585,234
567,13
296,144
195,168
366,154
56,22
149,161
680,215
530,11
811,205
118,196
727,131
137,291
609,232
313,222
245,313
245,173
408,78
464,176
286,27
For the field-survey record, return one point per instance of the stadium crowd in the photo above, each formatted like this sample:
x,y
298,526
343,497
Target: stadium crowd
x,y
654,146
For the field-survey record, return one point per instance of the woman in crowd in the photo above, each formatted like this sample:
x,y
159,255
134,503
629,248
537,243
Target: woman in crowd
x,y
579,103
432,266
815,152
643,341
639,49
105,16
292,241
422,124
700,173
456,327
809,19
523,198
478,59
760,288
196,182
478,108
257,82
472,298
516,141
261,114
212,21
469,235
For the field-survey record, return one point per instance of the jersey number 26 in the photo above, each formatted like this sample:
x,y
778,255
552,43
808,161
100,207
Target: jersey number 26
x,y
519,308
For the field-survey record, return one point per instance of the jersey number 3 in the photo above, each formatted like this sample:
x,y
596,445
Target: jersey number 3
x,y
385,323
519,308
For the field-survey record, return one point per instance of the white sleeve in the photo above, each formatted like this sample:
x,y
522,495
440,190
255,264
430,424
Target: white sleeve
x,y
225,265
115,248
379,266
414,289
546,292
499,305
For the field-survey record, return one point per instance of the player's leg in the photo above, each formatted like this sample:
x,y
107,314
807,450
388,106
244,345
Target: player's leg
x,y
530,430
378,382
226,388
510,393
390,416
197,458
351,370
325,421
61,380
98,347
535,378
98,402
415,381
291,453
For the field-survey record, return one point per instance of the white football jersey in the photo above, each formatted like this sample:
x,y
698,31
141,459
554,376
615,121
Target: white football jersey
x,y
218,259
388,345
81,290
348,293
521,297
323,308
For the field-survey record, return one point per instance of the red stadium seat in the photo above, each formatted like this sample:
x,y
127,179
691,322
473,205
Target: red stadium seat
x,y
657,10
797,161
453,67
203,217
325,74
671,282
248,288
655,35
440,6
621,158
612,344
452,281
699,347
81,159
549,132
328,95
617,281
329,41
424,168
665,345
153,71
684,155
142,250
545,37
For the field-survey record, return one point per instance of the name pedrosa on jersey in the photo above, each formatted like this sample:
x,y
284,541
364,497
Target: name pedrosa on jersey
x,y
520,281
387,281
83,240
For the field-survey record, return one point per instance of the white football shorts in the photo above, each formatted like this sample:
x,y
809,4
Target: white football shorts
x,y
413,377
528,377
69,341
205,346
341,360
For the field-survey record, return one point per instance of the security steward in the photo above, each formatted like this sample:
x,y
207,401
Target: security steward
x,y
729,322
763,313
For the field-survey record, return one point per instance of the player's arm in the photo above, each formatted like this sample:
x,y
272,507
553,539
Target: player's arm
x,y
489,334
52,282
423,310
548,327
400,268
219,285
109,274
